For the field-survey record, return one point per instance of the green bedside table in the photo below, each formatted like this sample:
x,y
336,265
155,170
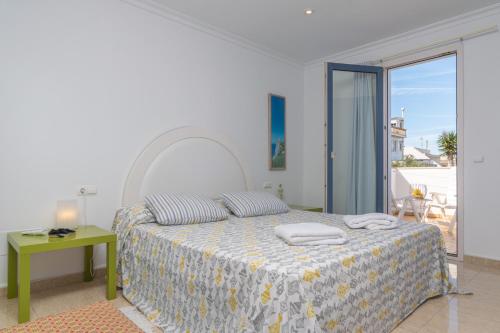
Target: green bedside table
x,y
22,247
306,208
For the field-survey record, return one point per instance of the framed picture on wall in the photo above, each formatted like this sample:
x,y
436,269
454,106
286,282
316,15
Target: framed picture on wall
x,y
277,132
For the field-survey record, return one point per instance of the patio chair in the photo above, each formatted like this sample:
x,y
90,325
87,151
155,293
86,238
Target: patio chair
x,y
453,223
397,204
440,201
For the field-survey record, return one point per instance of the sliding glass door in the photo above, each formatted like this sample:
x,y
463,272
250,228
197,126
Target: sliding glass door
x,y
424,168
355,139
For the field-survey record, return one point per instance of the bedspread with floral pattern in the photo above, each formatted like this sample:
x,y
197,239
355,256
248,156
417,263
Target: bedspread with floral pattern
x,y
237,276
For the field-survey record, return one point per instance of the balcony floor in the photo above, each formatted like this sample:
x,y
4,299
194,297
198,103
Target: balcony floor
x,y
442,223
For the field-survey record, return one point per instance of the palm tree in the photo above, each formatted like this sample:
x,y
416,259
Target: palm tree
x,y
447,144
408,162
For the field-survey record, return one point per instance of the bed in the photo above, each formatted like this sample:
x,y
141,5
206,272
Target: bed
x,y
236,276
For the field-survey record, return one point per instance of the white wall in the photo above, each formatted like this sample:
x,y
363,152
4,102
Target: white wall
x,y
314,137
481,112
85,85
439,180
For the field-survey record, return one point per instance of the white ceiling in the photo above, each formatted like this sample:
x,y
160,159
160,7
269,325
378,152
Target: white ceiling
x,y
335,26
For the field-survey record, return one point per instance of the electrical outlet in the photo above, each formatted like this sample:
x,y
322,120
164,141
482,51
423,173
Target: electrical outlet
x,y
87,190
267,185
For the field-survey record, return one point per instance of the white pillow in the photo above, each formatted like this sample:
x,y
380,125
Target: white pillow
x,y
245,204
176,208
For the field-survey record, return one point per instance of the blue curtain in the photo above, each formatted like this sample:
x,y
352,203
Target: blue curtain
x,y
362,175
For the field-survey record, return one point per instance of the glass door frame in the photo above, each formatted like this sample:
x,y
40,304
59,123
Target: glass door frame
x,y
379,132
418,57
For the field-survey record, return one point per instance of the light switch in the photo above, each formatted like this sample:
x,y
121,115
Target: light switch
x,y
478,159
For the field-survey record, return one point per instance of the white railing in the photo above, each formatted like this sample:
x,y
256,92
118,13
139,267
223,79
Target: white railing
x,y
441,180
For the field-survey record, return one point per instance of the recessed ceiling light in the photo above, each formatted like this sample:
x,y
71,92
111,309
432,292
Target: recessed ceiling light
x,y
308,11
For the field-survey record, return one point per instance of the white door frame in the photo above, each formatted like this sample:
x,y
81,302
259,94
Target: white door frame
x,y
456,48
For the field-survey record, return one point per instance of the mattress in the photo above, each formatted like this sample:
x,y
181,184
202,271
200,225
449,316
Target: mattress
x,y
237,276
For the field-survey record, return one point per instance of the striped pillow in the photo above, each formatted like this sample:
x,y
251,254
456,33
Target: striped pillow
x,y
175,208
245,204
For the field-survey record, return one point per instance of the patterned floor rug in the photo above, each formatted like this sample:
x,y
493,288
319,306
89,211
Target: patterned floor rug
x,y
100,317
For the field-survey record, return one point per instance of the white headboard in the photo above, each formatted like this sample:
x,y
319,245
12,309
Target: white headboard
x,y
187,160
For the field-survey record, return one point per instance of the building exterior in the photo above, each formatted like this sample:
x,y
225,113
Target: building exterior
x,y
423,156
398,135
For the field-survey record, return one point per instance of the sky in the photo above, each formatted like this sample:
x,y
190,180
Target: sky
x,y
428,92
278,119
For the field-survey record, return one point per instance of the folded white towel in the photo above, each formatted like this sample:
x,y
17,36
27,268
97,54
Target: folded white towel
x,y
303,234
372,221
326,241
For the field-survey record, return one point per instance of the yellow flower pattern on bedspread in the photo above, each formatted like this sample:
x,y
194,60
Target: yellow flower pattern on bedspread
x,y
237,276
